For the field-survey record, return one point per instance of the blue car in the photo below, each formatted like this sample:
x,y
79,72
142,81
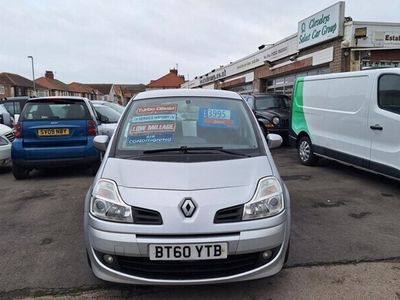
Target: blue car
x,y
54,132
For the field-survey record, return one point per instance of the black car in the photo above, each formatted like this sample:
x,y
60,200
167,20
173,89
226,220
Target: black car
x,y
272,112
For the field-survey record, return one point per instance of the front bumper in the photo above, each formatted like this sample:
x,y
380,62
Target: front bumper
x,y
5,155
240,243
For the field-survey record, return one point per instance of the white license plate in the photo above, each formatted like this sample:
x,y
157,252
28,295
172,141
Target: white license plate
x,y
188,251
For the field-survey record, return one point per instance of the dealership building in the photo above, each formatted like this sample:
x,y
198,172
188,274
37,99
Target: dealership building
x,y
326,42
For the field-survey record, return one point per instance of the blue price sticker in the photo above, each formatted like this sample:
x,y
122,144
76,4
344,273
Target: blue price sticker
x,y
217,117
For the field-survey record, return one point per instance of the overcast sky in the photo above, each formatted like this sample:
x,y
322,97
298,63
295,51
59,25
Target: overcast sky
x,y
134,41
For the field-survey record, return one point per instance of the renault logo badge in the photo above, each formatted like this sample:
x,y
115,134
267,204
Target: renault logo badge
x,y
188,207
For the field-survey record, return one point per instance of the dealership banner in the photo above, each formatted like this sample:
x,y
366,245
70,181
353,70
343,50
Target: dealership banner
x,y
322,26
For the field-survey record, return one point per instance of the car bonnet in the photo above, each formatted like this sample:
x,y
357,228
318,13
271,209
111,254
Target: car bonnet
x,y
187,176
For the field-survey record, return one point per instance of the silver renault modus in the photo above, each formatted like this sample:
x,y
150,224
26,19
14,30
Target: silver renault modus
x,y
187,193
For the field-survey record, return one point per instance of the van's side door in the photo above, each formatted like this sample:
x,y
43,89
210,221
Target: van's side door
x,y
384,125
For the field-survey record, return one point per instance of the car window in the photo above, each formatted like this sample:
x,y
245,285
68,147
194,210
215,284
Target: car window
x,y
269,102
13,107
116,107
389,93
57,110
190,122
104,111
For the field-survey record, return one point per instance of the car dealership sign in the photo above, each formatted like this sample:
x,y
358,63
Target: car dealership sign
x,y
322,26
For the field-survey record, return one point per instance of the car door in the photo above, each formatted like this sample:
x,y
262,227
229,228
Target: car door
x,y
384,123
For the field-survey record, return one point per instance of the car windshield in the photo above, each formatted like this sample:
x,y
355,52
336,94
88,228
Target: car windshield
x,y
106,113
116,107
55,110
194,123
268,102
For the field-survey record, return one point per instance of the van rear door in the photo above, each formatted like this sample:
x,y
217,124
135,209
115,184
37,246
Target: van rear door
x,y
384,124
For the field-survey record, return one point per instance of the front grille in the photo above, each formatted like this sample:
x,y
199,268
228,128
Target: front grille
x,y
186,270
146,216
230,214
284,123
10,136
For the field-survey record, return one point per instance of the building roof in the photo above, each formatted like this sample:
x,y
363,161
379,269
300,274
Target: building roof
x,y
103,88
18,80
170,80
52,84
129,90
79,88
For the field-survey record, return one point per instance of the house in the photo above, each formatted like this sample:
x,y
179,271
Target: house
x,y
169,81
118,93
14,85
125,92
101,91
55,87
81,90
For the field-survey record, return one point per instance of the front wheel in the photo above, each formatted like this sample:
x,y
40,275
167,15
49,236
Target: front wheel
x,y
19,172
306,153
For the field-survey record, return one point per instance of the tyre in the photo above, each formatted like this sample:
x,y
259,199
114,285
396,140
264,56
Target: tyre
x,y
305,152
88,260
94,167
287,254
19,172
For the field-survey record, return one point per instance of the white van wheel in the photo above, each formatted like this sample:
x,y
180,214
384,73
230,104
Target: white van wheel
x,y
306,153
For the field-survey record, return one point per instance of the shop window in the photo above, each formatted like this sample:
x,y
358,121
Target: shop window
x,y
389,93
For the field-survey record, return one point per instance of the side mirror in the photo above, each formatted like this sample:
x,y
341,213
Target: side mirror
x,y
274,140
101,142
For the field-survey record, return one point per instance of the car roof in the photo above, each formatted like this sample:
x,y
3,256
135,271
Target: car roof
x,y
19,98
58,98
187,93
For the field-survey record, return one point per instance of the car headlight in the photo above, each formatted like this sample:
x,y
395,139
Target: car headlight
x,y
268,124
267,200
3,141
106,203
275,120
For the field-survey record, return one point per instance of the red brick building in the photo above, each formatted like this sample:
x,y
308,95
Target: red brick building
x,y
169,81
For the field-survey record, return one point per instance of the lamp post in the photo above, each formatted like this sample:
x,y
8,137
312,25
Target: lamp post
x,y
33,75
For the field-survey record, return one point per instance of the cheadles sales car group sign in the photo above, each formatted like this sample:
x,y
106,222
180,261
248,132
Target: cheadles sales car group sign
x,y
322,26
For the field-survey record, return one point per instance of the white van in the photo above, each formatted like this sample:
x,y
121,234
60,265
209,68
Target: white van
x,y
351,117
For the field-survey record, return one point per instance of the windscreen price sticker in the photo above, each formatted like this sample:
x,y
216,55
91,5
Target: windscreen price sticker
x,y
151,139
153,118
156,109
213,113
216,117
137,129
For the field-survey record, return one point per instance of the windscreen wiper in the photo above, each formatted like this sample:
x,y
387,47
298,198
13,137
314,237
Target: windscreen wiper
x,y
186,149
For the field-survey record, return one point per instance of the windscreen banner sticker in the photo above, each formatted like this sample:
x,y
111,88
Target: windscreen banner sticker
x,y
217,117
157,109
153,118
140,129
157,138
